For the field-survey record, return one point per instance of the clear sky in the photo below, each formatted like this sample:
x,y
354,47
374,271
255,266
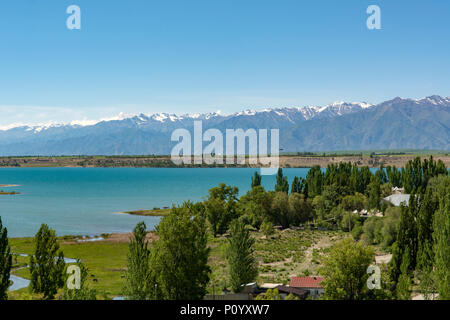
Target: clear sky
x,y
191,56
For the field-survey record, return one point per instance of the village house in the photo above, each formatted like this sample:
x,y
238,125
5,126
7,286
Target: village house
x,y
397,190
397,199
310,284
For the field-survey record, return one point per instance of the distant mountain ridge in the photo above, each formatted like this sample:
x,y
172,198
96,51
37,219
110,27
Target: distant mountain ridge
x,y
394,124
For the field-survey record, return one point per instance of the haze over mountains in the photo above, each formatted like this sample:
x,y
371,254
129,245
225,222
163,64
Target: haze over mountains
x,y
394,124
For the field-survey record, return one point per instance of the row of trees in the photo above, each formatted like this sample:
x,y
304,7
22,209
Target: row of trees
x,y
422,248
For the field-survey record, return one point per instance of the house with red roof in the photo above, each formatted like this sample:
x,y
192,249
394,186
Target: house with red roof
x,y
311,284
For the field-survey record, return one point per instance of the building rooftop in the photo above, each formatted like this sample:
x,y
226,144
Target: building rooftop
x,y
398,199
306,282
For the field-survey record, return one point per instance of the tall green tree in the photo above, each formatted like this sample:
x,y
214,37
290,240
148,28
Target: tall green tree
x,y
298,185
241,260
5,262
406,239
403,290
429,205
47,264
221,207
256,180
179,258
280,212
282,184
345,271
255,206
441,238
373,193
300,209
314,181
137,283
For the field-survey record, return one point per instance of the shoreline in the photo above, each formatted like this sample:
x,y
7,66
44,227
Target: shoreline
x,y
156,212
285,161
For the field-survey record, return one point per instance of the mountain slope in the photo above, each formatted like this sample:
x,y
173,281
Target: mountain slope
x,y
394,124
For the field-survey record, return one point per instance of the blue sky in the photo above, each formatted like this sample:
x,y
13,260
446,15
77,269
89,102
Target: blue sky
x,y
200,56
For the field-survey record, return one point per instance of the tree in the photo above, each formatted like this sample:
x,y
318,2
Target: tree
x,y
300,209
403,290
345,270
349,221
241,261
314,181
298,185
331,197
271,294
390,227
84,292
5,262
386,190
406,239
256,180
354,202
282,184
179,258
380,174
429,205
221,206
280,209
137,283
267,228
254,206
47,264
441,238
373,193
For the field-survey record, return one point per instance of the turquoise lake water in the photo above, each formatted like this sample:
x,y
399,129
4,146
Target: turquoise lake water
x,y
87,201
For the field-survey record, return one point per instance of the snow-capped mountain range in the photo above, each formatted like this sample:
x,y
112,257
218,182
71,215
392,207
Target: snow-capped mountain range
x,y
397,123
291,113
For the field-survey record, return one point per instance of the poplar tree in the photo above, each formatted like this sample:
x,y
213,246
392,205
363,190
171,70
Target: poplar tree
x,y
47,264
282,184
241,261
298,185
406,239
137,283
373,193
256,180
403,290
314,181
441,237
5,262
428,206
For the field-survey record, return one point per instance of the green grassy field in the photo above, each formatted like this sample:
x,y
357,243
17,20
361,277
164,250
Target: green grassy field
x,y
105,261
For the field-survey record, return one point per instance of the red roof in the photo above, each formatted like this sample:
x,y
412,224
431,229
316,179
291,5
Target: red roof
x,y
306,282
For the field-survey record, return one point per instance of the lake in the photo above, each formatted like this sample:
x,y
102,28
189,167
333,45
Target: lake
x,y
88,201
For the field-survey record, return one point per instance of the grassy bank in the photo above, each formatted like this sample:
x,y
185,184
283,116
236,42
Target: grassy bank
x,y
8,193
153,213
